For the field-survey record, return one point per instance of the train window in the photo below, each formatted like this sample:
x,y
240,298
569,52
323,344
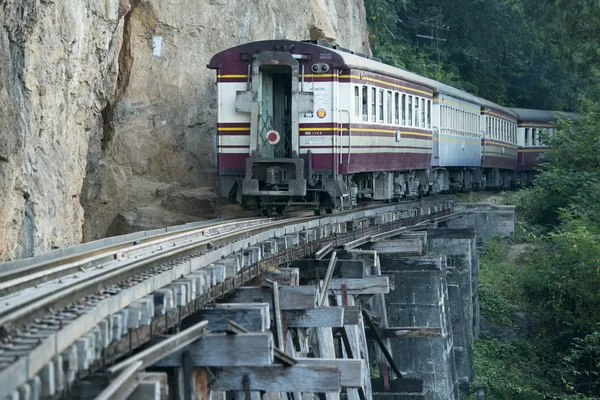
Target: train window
x,y
410,111
533,132
397,108
389,108
526,136
429,114
380,105
423,113
403,109
357,104
416,114
365,103
373,104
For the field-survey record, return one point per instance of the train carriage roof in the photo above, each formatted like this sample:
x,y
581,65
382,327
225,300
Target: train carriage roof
x,y
359,62
542,115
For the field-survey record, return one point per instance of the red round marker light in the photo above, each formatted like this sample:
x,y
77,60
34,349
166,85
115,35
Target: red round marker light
x,y
273,137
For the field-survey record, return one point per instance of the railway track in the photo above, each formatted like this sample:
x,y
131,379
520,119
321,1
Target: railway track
x,y
48,307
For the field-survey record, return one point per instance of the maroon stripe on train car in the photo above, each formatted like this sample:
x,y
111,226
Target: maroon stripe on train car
x,y
345,148
499,162
233,124
362,162
528,161
231,161
366,162
228,80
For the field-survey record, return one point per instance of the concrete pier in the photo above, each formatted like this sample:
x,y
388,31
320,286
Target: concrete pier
x,y
420,299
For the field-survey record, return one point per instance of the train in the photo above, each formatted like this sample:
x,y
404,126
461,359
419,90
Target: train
x,y
306,123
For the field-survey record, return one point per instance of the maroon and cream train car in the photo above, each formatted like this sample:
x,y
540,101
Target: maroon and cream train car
x,y
533,126
305,123
498,146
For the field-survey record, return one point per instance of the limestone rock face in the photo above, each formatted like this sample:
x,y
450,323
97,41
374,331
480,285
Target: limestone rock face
x,y
161,125
105,104
58,69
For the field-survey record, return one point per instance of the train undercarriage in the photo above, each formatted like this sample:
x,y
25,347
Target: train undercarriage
x,y
273,186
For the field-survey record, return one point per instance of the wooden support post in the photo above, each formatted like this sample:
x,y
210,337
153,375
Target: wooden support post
x,y
327,279
379,341
351,315
200,376
356,287
317,317
186,366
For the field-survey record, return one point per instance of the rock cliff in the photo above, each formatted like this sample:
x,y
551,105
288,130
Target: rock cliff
x,y
107,104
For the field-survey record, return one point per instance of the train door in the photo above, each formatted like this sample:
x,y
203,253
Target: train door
x,y
274,125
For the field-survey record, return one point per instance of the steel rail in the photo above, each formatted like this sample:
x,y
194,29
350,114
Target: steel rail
x,y
29,306
12,281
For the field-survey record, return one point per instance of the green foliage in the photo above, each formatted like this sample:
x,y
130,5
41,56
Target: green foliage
x,y
563,282
499,291
583,365
570,175
527,53
512,369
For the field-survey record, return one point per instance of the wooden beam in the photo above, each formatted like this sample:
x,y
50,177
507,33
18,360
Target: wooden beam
x,y
290,297
123,385
356,243
326,317
283,276
221,350
371,285
408,331
253,319
323,251
277,378
351,370
162,349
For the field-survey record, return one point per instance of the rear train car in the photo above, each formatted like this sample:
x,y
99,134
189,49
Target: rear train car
x,y
306,124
